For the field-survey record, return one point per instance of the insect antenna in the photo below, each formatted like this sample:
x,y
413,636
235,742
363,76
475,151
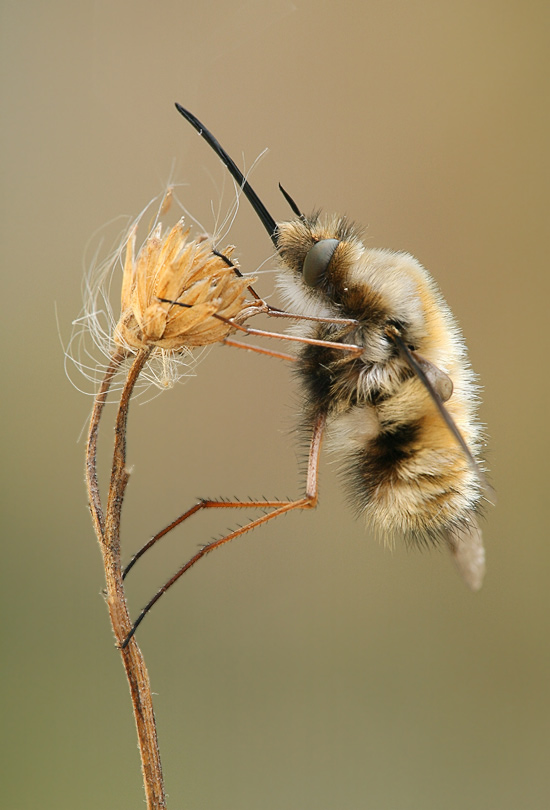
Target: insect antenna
x,y
291,202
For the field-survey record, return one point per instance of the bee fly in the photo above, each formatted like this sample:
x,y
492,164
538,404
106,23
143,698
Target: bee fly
x,y
401,411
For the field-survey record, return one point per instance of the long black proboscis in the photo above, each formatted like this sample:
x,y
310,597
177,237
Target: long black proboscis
x,y
265,217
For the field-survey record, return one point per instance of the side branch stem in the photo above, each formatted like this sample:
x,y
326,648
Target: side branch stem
x,y
94,498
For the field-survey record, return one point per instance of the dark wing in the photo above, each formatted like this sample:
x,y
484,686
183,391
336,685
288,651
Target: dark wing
x,y
434,381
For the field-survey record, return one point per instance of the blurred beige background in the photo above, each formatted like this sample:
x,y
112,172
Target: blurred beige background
x,y
304,666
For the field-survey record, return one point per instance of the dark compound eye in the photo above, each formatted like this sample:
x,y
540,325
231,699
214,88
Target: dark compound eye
x,y
317,261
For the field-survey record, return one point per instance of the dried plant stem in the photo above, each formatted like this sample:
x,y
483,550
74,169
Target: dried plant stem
x,y
107,527
91,447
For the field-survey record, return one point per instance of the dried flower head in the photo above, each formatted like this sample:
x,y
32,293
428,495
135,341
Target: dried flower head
x,y
172,266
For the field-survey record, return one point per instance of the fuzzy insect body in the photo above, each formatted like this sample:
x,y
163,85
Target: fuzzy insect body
x,y
401,465
401,409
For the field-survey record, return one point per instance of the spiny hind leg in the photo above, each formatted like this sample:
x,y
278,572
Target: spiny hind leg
x,y
308,501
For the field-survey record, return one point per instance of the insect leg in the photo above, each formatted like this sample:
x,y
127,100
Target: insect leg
x,y
350,347
204,503
308,501
270,353
347,347
237,272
